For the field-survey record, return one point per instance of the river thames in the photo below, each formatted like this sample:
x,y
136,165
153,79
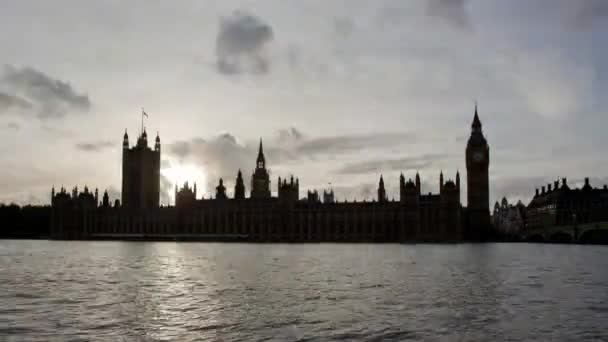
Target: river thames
x,y
162,291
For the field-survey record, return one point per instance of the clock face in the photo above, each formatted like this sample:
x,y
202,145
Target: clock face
x,y
478,156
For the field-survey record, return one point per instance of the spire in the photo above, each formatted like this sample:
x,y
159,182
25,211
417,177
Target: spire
x,y
476,125
239,187
381,190
261,150
125,140
157,143
261,161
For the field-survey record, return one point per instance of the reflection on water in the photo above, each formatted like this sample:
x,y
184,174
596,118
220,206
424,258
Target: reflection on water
x,y
106,291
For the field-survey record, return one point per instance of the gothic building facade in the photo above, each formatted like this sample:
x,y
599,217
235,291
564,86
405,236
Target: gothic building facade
x,y
558,204
415,216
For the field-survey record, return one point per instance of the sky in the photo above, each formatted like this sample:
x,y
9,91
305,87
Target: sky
x,y
340,91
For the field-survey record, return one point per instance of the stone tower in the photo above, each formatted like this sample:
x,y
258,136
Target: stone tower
x,y
478,184
140,173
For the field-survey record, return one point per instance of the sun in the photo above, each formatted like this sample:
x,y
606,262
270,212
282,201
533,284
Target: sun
x,y
180,173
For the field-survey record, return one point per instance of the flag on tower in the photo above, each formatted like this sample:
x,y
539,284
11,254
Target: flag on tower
x,y
144,113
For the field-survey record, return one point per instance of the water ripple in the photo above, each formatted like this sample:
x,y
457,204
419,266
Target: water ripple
x,y
112,291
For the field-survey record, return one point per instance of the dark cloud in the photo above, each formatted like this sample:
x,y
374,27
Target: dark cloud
x,y
586,13
351,143
386,165
454,12
240,44
27,88
11,102
96,146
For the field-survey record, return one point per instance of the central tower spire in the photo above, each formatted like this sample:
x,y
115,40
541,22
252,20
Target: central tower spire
x,y
261,161
260,180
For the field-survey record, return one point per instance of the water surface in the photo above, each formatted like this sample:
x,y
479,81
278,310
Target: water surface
x,y
149,291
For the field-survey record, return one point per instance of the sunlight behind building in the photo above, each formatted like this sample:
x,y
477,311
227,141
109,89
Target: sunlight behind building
x,y
178,174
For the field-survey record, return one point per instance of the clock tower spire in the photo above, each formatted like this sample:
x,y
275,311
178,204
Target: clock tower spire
x,y
478,183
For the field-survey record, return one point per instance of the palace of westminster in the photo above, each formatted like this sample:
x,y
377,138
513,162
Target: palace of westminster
x,y
415,216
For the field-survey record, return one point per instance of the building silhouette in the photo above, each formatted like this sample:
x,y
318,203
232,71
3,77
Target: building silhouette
x,y
415,216
478,181
140,173
559,205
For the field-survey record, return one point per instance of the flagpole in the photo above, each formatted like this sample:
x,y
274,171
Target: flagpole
x,y
142,121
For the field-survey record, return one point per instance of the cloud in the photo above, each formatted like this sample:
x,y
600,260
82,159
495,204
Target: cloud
x,y
13,125
166,188
223,155
344,26
28,88
454,12
11,102
95,146
220,156
289,135
351,143
240,44
586,13
387,165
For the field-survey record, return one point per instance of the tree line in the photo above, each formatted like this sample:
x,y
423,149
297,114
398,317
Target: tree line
x,y
27,222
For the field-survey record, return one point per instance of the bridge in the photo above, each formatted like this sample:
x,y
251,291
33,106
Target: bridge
x,y
591,233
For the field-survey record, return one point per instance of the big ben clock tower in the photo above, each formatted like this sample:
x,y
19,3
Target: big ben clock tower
x,y
478,183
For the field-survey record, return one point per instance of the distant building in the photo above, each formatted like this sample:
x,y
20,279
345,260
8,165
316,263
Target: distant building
x,y
509,219
415,216
557,204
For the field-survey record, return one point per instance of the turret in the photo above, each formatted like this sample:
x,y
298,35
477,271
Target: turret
x,y
565,184
144,138
381,190
418,186
239,187
105,202
220,190
157,143
441,181
125,141
411,194
587,186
